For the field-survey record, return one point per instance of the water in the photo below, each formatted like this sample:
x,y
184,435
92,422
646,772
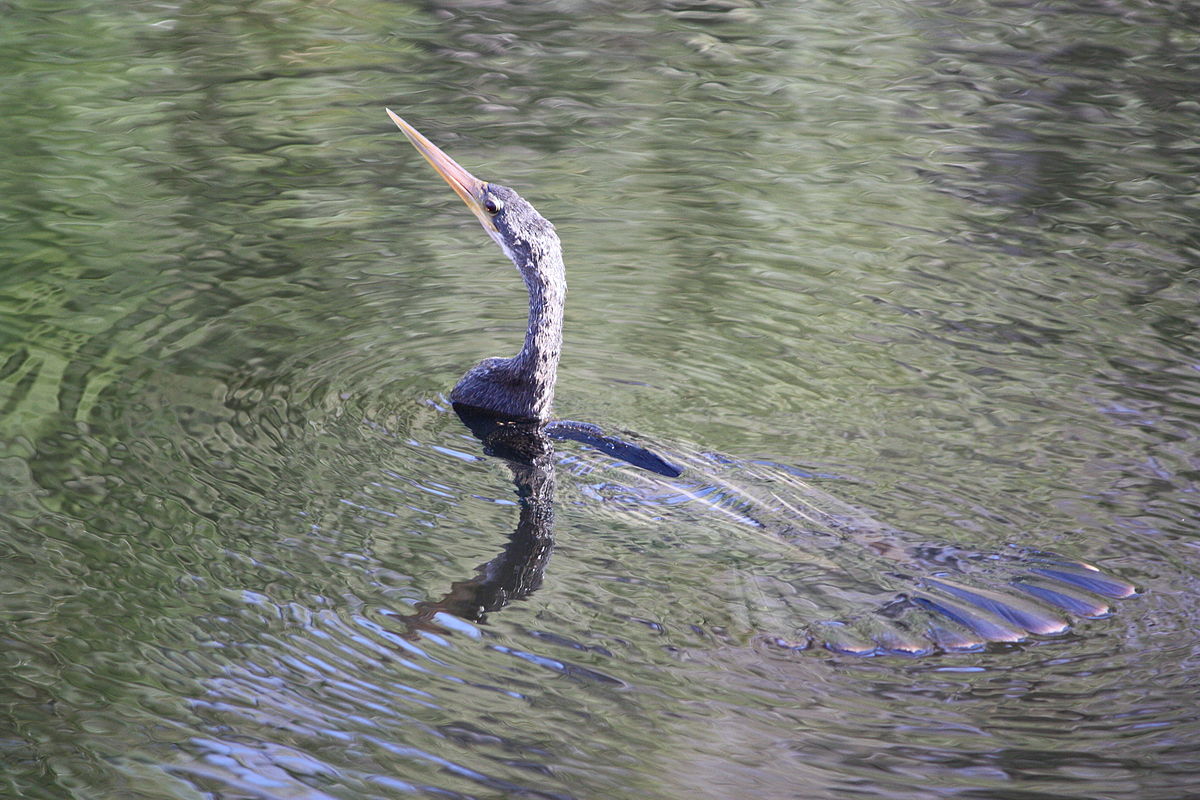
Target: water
x,y
942,257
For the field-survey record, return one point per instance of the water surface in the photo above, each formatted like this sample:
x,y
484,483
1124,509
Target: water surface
x,y
940,258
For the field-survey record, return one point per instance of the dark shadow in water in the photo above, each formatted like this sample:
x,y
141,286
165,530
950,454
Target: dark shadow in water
x,y
527,451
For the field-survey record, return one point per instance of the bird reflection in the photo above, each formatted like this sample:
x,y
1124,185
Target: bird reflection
x,y
526,450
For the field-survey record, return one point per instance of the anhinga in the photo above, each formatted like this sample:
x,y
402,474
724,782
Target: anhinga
x,y
522,387
507,401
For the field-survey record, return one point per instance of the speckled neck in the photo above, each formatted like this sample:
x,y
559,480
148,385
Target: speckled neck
x,y
537,363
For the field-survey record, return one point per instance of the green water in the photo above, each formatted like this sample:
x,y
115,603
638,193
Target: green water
x,y
942,254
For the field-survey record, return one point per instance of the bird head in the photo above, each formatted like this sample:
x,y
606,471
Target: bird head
x,y
508,218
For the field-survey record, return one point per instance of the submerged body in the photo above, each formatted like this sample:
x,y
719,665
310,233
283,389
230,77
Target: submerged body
x,y
946,599
835,576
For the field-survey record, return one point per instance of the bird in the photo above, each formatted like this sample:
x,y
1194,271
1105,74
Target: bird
x,y
508,404
520,388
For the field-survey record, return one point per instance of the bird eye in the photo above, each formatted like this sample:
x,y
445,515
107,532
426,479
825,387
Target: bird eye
x,y
492,204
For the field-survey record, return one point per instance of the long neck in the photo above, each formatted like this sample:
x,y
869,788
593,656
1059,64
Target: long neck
x,y
537,363
522,387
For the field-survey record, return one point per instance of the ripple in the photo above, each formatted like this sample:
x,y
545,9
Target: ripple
x,y
923,279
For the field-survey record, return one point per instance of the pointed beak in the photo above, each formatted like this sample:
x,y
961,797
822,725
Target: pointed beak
x,y
464,184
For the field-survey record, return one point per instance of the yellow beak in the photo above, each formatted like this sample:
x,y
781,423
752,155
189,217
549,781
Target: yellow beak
x,y
464,184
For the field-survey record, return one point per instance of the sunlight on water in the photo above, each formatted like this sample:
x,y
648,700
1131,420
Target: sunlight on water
x,y
908,291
